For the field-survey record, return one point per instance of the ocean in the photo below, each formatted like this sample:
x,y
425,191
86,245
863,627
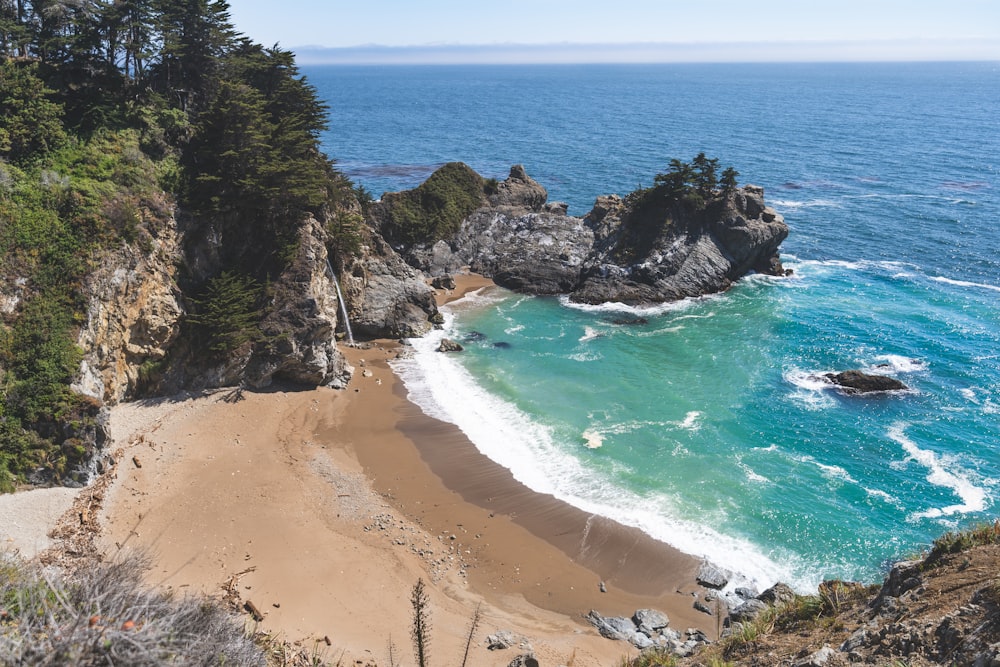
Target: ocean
x,y
705,423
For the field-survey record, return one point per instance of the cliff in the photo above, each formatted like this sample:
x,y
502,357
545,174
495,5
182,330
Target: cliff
x,y
943,609
636,250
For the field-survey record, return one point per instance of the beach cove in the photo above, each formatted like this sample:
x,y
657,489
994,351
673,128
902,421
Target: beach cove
x,y
324,507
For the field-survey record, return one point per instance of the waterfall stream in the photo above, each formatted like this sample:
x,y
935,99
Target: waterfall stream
x,y
343,306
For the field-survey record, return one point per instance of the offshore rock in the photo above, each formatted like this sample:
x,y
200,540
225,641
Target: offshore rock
x,y
858,382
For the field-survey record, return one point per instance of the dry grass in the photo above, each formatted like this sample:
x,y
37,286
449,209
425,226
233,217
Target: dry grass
x,y
105,615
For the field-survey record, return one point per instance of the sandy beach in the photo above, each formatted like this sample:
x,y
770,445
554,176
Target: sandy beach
x,y
323,508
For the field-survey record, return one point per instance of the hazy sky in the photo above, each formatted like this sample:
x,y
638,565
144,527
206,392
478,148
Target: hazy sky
x,y
907,29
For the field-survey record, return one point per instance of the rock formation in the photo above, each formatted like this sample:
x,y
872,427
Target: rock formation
x,y
623,250
858,382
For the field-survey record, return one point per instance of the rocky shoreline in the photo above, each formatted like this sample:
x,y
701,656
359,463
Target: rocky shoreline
x,y
529,245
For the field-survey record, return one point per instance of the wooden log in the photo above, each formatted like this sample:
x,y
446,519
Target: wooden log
x,y
254,612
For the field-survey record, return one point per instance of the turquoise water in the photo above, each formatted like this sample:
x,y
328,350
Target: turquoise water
x,y
705,423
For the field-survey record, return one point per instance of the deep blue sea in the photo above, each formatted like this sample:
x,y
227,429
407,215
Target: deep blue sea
x,y
707,427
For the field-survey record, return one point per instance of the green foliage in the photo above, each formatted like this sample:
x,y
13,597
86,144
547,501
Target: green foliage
x,y
656,657
957,542
686,192
435,209
344,229
227,312
103,106
30,122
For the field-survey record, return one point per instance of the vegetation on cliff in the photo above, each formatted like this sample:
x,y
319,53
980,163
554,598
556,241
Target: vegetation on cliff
x,y
687,193
112,113
436,208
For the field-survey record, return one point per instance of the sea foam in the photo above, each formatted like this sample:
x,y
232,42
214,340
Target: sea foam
x,y
942,472
443,389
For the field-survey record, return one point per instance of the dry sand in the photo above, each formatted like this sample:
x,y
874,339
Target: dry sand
x,y
324,508
27,517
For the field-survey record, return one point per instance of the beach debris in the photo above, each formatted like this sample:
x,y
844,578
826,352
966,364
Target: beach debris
x,y
326,640
710,576
136,462
254,612
602,587
501,640
526,660
448,345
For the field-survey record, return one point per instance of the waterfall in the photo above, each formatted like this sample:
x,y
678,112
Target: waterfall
x,y
343,306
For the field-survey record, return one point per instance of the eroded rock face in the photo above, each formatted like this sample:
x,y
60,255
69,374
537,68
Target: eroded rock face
x,y
387,298
697,253
301,322
133,316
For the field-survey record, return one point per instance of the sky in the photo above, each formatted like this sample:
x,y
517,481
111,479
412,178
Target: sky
x,y
623,30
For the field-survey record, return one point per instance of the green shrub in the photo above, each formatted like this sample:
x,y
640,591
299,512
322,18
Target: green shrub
x,y
436,208
957,542
227,312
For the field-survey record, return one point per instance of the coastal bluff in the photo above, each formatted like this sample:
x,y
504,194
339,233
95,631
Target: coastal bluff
x,y
639,249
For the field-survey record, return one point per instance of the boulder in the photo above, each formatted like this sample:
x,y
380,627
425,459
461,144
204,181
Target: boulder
x,y
777,595
748,611
858,382
525,660
500,640
712,577
650,621
614,627
445,281
448,345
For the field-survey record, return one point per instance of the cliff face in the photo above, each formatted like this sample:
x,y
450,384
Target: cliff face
x,y
617,252
132,339
133,317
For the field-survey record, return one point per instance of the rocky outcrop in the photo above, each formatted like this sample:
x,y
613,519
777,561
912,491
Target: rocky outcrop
x,y
300,323
859,382
617,252
647,629
133,317
678,251
387,298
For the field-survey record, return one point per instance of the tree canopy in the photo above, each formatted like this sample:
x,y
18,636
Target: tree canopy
x,y
111,111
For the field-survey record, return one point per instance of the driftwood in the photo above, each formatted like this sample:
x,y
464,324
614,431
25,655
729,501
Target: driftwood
x,y
254,612
135,460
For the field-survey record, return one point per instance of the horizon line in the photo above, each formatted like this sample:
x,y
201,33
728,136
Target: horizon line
x,y
787,51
